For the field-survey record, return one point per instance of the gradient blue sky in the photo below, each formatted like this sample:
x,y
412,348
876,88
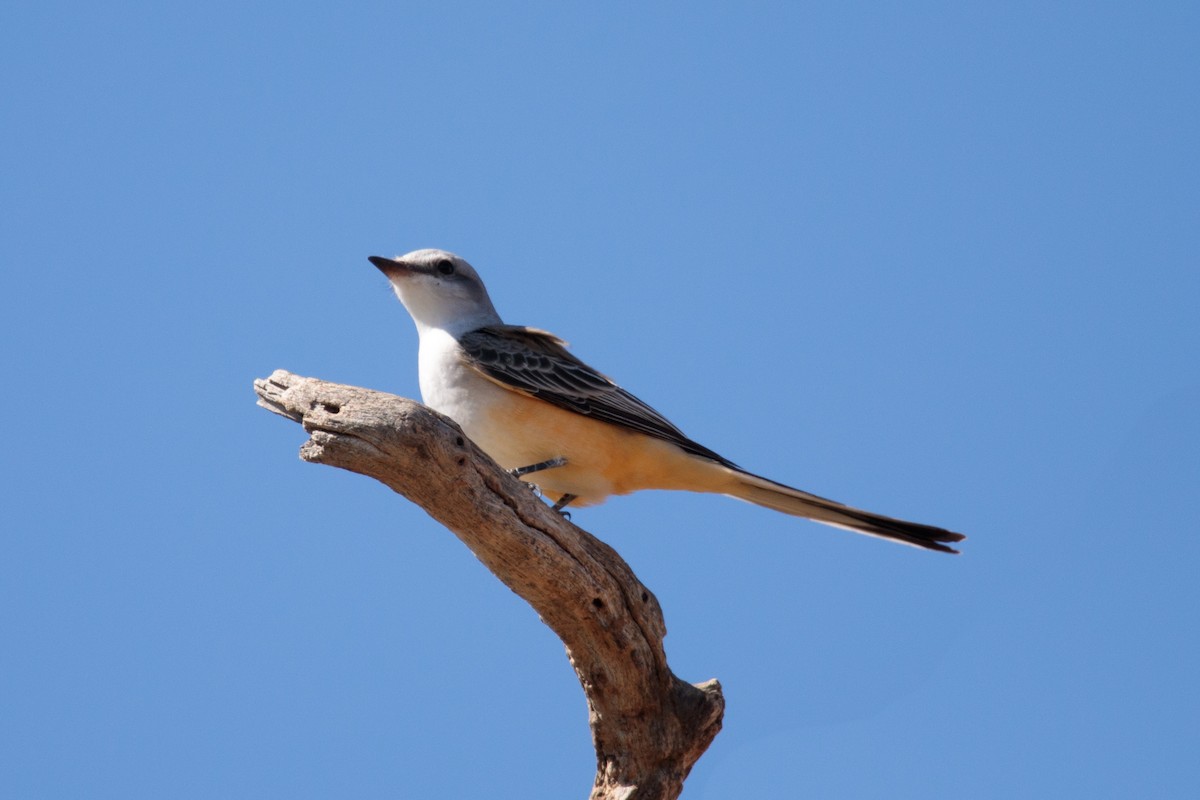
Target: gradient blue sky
x,y
939,260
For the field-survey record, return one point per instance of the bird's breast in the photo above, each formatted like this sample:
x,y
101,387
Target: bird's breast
x,y
448,385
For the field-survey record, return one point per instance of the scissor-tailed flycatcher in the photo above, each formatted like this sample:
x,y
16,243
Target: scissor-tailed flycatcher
x,y
535,408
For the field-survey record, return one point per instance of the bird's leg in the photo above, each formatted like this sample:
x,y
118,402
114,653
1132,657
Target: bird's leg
x,y
549,463
562,503
538,467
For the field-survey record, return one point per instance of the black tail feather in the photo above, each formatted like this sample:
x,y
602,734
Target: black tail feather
x,y
780,497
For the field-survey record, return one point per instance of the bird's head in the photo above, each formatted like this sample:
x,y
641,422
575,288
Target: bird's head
x,y
440,290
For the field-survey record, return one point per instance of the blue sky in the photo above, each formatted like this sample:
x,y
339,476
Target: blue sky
x,y
937,260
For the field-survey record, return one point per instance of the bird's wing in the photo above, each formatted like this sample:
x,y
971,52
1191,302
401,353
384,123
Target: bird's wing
x,y
536,363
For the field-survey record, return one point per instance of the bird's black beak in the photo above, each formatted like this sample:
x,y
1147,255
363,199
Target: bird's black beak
x,y
390,266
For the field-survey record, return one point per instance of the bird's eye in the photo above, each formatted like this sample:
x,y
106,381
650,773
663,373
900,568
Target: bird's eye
x,y
445,266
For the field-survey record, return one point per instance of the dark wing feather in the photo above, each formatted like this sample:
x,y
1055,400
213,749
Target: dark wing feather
x,y
536,363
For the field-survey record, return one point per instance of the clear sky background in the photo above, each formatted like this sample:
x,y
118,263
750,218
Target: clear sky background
x,y
938,260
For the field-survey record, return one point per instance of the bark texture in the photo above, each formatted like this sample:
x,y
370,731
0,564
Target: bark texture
x,y
648,726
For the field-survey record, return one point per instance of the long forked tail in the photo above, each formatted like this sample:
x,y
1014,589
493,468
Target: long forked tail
x,y
779,497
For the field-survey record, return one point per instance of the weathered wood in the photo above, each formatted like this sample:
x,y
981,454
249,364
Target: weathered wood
x,y
648,726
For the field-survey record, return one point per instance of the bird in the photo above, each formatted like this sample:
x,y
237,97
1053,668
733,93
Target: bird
x,y
552,420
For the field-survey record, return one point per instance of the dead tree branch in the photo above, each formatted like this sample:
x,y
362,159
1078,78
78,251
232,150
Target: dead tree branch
x,y
648,726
